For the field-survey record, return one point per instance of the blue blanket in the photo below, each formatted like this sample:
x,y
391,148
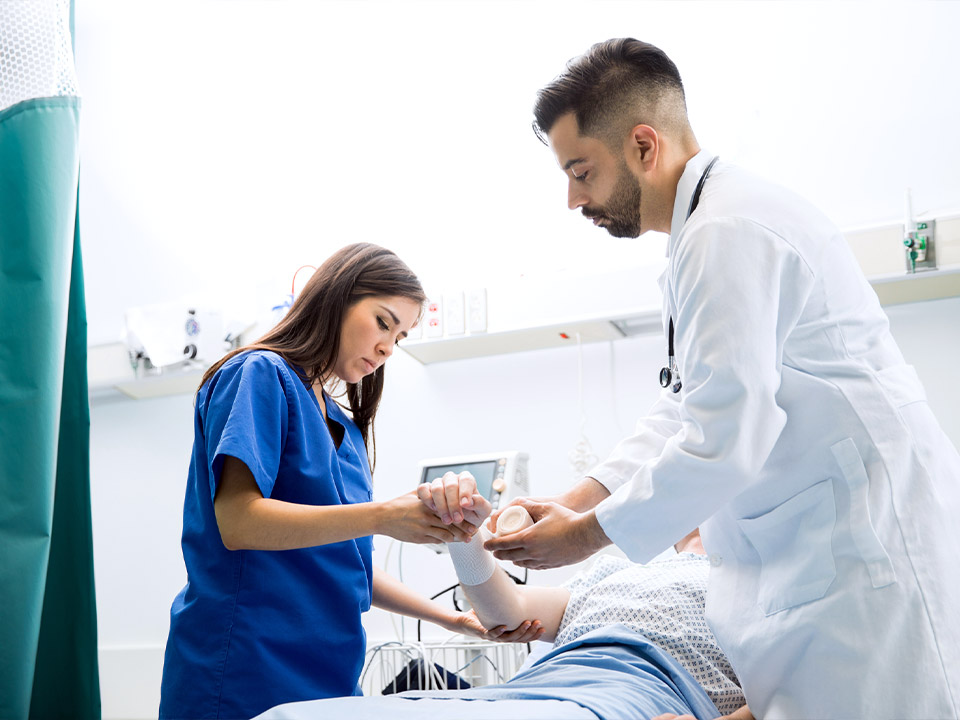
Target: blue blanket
x,y
611,673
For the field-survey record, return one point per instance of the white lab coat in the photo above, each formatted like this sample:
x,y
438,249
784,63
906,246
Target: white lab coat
x,y
803,446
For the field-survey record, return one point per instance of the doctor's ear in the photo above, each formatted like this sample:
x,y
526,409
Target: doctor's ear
x,y
642,148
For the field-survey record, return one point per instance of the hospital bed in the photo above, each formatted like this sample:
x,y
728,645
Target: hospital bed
x,y
453,664
608,674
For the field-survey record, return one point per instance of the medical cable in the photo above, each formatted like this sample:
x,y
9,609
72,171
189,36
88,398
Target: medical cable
x,y
373,652
386,568
582,457
613,389
293,283
282,309
483,659
434,597
403,624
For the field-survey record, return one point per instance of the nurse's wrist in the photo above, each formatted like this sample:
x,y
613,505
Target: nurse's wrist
x,y
378,514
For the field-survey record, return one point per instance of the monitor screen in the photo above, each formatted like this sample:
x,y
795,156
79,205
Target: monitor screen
x,y
484,472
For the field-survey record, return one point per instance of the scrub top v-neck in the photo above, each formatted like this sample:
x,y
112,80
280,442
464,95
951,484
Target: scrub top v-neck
x,y
253,629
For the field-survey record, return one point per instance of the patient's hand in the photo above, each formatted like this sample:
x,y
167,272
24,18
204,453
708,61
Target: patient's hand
x,y
527,631
455,500
742,713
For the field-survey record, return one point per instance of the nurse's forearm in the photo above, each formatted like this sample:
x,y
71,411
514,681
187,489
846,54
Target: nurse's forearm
x,y
249,521
392,595
266,524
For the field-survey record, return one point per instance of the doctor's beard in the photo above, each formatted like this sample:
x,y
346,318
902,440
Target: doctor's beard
x,y
621,215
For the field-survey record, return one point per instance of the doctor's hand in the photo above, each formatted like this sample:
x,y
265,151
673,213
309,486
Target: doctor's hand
x,y
469,624
455,500
581,497
559,536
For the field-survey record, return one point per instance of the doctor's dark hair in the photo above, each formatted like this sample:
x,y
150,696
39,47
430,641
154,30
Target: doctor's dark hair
x,y
308,336
613,87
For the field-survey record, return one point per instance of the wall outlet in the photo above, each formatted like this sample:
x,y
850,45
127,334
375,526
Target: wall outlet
x,y
433,319
477,310
453,317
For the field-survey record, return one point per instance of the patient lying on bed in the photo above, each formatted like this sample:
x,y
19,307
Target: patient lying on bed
x,y
629,641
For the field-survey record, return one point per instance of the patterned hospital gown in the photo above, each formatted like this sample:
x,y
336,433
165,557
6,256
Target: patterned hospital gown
x,y
664,601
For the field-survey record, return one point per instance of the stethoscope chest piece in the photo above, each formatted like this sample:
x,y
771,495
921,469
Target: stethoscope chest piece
x,y
669,377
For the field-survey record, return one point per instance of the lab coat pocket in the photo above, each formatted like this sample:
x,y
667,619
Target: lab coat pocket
x,y
861,527
794,544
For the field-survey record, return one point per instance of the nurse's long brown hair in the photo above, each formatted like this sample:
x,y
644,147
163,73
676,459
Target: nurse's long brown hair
x,y
308,337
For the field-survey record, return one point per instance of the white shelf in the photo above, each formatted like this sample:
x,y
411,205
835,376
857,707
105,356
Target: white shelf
x,y
109,371
896,289
892,289
535,338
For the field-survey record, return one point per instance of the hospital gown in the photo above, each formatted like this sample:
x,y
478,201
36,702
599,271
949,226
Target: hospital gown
x,y
633,643
663,601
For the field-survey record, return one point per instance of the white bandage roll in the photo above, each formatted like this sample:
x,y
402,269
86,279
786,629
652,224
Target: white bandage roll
x,y
514,519
473,564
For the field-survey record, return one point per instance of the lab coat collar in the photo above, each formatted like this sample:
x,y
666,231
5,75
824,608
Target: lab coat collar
x,y
685,189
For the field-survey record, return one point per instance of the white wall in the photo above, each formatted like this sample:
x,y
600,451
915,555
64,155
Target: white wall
x,y
528,401
225,144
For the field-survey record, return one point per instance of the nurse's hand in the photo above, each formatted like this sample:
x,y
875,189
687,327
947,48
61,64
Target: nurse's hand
x,y
741,714
559,536
455,500
406,518
469,624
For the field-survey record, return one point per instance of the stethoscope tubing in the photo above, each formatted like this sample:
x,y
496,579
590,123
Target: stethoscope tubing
x,y
670,375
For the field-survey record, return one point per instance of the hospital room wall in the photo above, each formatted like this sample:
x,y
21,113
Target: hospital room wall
x,y
525,401
222,149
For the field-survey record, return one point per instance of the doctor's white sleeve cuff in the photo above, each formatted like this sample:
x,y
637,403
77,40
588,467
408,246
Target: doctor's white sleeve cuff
x,y
634,523
607,477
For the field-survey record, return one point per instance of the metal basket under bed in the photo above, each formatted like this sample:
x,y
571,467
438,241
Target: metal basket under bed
x,y
457,663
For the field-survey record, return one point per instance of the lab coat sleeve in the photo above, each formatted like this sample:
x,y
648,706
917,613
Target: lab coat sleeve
x,y
647,442
738,290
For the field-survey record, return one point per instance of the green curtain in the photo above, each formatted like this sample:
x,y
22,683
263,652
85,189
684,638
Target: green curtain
x,y
48,637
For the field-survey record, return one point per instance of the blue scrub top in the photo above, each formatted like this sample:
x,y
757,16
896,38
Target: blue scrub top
x,y
254,628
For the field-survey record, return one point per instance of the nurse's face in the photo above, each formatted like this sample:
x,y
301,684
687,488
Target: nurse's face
x,y
370,332
599,183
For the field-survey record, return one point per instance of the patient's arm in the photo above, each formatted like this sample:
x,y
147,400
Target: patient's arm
x,y
742,713
500,601
392,595
495,598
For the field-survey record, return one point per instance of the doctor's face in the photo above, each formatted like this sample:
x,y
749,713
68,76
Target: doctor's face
x,y
371,329
599,183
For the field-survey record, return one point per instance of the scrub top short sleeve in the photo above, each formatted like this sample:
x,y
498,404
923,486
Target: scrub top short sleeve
x,y
253,629
245,416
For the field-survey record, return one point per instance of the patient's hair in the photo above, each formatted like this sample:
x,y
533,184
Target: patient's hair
x,y
308,337
613,87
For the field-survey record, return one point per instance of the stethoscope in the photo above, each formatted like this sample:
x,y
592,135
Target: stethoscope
x,y
670,375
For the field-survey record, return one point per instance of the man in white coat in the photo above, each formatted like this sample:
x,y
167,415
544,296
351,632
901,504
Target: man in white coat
x,y
790,429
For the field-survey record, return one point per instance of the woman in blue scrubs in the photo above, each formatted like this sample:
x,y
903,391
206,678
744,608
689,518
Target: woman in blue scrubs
x,y
278,515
